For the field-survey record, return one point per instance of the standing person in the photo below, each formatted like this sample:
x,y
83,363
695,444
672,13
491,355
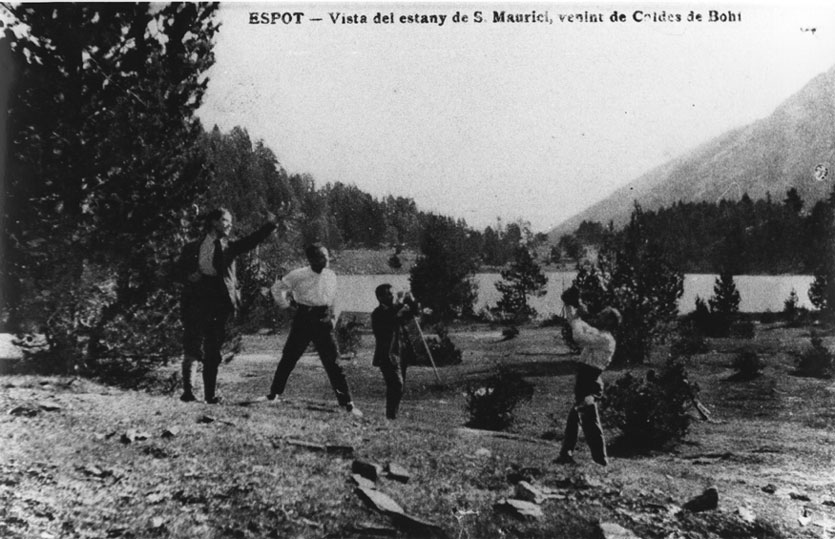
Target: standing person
x,y
313,290
386,323
598,347
210,296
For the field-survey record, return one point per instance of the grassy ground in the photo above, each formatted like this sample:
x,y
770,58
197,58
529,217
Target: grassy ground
x,y
68,469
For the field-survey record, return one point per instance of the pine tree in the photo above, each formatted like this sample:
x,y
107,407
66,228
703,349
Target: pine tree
x,y
442,276
103,167
725,300
522,279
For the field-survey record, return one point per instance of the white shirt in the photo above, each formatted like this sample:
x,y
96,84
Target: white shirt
x,y
207,253
598,346
308,287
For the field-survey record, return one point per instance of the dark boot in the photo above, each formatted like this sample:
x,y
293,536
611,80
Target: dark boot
x,y
209,383
189,371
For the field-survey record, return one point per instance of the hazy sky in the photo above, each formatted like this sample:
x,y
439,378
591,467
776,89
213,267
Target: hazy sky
x,y
484,120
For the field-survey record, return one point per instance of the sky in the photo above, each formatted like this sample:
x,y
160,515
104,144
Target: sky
x,y
533,121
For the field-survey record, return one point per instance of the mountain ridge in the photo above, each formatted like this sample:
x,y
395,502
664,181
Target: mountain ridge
x,y
768,156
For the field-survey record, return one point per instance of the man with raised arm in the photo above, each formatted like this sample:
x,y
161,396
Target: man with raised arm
x,y
597,343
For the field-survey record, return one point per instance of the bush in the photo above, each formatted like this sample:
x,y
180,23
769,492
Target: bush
x,y
491,404
815,361
444,351
688,342
743,329
747,365
394,262
510,332
651,414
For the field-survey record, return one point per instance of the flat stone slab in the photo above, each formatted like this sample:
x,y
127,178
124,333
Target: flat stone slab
x,y
610,530
397,473
520,508
369,470
379,501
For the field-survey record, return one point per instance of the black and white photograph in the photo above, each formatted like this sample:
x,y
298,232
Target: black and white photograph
x,y
447,270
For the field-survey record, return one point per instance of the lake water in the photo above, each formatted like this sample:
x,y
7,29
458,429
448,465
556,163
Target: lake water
x,y
758,293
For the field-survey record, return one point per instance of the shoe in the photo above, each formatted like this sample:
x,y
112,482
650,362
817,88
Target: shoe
x,y
602,461
214,400
188,397
271,396
353,410
565,458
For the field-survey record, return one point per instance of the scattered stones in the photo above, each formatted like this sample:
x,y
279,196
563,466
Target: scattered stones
x,y
707,500
526,491
24,411
746,515
519,508
379,501
413,526
516,474
828,501
610,530
769,489
799,497
133,435
94,470
155,497
346,451
207,419
483,452
157,522
397,473
363,482
310,446
369,470
50,407
416,527
171,432
376,530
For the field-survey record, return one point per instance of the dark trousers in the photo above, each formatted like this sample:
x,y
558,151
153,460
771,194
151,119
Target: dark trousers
x,y
587,389
204,330
308,327
394,375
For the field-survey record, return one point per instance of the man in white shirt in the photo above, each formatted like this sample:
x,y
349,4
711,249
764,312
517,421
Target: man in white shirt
x,y
598,347
313,290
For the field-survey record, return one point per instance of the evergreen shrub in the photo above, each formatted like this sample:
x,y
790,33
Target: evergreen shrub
x,y
651,414
491,404
815,361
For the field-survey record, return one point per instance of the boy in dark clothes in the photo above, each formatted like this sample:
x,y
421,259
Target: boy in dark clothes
x,y
386,323
598,346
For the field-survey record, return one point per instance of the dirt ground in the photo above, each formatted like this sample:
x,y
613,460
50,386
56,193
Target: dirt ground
x,y
79,459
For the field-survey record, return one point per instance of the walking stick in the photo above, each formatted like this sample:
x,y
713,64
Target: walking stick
x,y
428,352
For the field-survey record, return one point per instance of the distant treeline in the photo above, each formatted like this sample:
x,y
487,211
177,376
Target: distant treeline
x,y
248,178
741,236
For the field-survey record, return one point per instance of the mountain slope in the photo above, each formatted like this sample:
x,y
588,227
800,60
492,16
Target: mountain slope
x,y
768,156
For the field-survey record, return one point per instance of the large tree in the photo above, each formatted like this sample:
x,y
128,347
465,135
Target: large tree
x,y
443,275
103,163
634,275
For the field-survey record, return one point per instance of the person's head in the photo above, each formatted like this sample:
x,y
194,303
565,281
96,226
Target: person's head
x,y
219,221
384,295
608,319
317,256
